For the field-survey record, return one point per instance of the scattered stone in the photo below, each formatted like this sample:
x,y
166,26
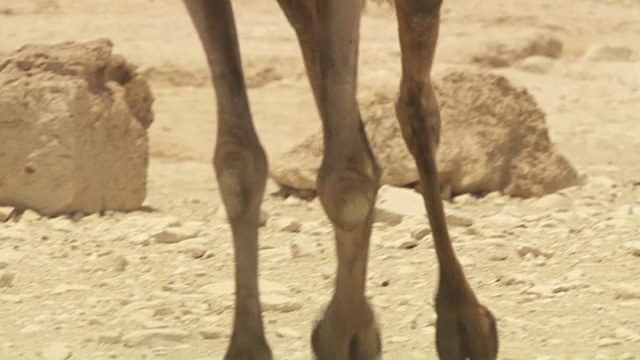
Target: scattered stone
x,y
465,199
518,279
143,337
280,303
195,247
511,48
610,53
627,292
606,342
174,235
211,333
499,256
304,246
56,351
264,217
458,220
407,244
110,337
6,278
524,250
287,333
537,64
552,202
634,247
541,290
626,334
5,213
284,224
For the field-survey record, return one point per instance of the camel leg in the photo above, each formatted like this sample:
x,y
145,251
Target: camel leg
x,y
465,328
241,169
328,33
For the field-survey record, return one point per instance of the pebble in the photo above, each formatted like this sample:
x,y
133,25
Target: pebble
x,y
211,332
141,337
303,247
626,334
524,250
287,333
6,278
458,220
627,292
279,303
537,64
195,247
284,224
608,52
5,212
174,235
110,337
634,247
56,351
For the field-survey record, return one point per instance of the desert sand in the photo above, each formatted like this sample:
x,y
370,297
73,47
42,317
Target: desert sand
x,y
561,273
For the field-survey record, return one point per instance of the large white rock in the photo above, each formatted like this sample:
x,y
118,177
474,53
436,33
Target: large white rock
x,y
494,138
73,120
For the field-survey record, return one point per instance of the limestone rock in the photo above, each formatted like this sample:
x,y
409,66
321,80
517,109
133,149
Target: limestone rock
x,y
511,48
611,53
73,120
494,138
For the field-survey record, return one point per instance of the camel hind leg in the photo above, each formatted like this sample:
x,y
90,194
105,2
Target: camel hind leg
x,y
465,328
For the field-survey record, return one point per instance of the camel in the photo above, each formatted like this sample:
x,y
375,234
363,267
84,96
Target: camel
x,y
348,178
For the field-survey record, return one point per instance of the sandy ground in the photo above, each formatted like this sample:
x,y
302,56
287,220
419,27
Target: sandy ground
x,y
561,273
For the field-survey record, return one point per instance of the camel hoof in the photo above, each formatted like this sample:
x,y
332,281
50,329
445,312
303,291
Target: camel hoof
x,y
470,333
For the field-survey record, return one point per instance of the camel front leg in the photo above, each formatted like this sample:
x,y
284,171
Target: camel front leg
x,y
465,328
241,169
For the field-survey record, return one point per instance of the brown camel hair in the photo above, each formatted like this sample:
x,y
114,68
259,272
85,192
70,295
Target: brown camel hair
x,y
348,178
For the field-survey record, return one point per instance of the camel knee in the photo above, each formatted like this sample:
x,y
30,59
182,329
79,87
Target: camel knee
x,y
420,10
241,169
348,194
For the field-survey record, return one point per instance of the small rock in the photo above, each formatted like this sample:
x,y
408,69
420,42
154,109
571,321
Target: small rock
x,y
287,333
613,53
552,202
30,216
5,213
499,256
284,224
465,199
627,292
627,356
541,290
606,342
56,351
174,235
573,275
407,244
518,279
420,232
140,337
626,334
537,64
195,247
211,333
634,247
264,217
458,220
6,278
110,337
140,239
303,246
280,303
524,250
